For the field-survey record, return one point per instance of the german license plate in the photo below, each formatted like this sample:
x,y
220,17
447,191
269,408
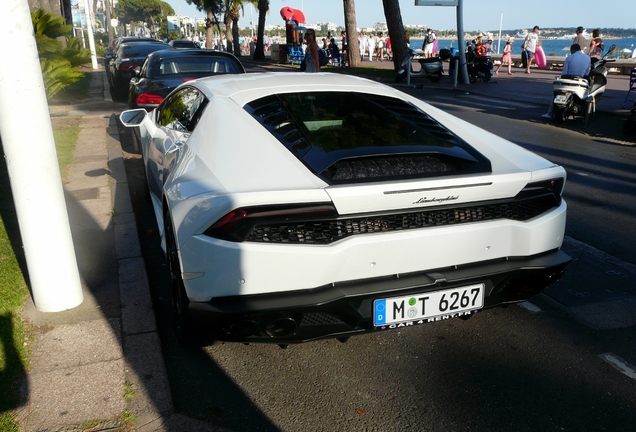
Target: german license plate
x,y
560,99
428,306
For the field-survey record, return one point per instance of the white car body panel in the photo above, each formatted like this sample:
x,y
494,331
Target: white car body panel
x,y
221,167
249,268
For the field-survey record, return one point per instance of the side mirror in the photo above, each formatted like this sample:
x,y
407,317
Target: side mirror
x,y
132,118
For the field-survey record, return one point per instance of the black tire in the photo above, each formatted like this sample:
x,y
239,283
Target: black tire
x,y
559,115
435,77
486,78
472,79
399,77
629,128
183,326
589,113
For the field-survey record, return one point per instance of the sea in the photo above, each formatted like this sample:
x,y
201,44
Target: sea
x,y
551,47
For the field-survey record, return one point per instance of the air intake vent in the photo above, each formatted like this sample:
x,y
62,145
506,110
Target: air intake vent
x,y
402,166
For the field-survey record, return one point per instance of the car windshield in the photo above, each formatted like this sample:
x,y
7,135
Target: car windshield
x,y
142,49
195,65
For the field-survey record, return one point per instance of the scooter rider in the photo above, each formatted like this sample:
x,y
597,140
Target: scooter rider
x,y
577,64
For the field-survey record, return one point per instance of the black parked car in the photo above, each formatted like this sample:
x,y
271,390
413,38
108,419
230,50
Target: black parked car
x,y
129,55
114,45
164,70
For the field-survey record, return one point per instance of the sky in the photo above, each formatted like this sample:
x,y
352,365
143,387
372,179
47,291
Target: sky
x,y
478,14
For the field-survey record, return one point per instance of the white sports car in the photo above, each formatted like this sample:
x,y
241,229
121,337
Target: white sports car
x,y
295,207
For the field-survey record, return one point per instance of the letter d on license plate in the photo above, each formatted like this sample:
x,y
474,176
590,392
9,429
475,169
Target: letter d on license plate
x,y
428,305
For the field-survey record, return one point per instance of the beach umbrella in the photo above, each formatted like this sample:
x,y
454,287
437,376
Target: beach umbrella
x,y
289,13
626,50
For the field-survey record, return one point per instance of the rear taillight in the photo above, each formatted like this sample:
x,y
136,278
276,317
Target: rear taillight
x,y
237,225
552,186
148,99
127,65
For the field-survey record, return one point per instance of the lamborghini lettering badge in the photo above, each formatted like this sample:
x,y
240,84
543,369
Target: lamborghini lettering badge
x,y
425,200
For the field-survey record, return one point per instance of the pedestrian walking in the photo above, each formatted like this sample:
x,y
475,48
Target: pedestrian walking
x,y
362,42
371,43
507,57
530,44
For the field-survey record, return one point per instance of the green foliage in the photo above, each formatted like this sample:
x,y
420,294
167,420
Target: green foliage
x,y
166,9
129,11
58,63
45,24
58,73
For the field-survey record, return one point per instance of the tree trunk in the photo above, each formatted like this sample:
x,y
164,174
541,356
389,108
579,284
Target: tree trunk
x,y
227,20
263,7
352,32
209,28
235,37
396,31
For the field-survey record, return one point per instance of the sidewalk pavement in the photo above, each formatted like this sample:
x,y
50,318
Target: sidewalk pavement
x,y
101,363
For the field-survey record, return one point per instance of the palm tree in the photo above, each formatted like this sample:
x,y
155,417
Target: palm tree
x,y
352,32
233,9
396,31
263,8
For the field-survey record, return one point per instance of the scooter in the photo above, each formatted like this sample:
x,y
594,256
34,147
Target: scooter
x,y
576,96
479,67
431,68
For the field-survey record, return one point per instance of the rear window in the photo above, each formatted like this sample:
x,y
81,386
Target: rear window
x,y
335,132
142,49
196,65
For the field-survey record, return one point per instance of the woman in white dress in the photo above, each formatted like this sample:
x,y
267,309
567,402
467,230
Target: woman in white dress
x,y
362,42
371,46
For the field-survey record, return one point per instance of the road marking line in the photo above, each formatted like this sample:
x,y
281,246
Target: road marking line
x,y
530,307
619,364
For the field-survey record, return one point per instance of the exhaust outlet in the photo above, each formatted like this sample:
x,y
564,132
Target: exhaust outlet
x,y
243,328
281,327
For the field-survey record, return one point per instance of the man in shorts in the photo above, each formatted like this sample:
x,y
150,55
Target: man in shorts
x,y
530,45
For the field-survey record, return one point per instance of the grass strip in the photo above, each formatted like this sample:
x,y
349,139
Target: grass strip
x,y
14,331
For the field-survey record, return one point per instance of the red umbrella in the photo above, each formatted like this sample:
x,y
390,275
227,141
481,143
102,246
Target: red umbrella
x,y
289,13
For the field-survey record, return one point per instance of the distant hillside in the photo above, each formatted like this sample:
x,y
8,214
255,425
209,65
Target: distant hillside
x,y
545,32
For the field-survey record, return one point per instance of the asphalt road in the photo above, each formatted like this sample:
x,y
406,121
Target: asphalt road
x,y
503,370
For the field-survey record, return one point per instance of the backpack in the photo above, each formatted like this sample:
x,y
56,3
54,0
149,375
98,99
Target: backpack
x,y
429,38
322,57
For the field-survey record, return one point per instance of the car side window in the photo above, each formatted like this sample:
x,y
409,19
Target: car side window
x,y
144,69
181,111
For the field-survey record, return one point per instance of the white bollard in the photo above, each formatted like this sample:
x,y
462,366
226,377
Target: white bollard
x,y
27,138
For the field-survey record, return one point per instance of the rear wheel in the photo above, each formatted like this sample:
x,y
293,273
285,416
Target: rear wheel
x,y
629,128
559,115
435,77
183,327
589,113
